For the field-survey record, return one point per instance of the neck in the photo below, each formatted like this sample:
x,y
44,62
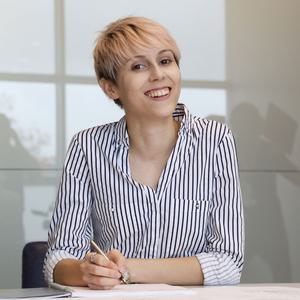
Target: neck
x,y
151,139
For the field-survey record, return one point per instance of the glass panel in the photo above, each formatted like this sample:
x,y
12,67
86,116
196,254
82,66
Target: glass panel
x,y
87,106
27,36
27,122
199,32
27,199
37,212
205,103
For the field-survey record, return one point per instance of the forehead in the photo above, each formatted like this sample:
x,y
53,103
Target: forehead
x,y
152,47
150,52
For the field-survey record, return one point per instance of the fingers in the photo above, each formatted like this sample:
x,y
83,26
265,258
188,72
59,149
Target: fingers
x,y
100,273
98,270
100,260
121,262
100,282
117,257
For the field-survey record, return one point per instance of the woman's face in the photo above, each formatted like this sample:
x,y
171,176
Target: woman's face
x,y
149,83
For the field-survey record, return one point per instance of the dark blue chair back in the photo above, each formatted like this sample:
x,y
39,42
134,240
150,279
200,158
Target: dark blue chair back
x,y
32,264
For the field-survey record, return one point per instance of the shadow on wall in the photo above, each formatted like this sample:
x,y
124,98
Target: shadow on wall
x,y
12,202
13,153
268,141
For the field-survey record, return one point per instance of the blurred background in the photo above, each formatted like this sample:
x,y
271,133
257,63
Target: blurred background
x,y
240,65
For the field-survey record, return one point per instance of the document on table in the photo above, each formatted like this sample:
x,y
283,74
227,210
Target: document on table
x,y
265,292
126,290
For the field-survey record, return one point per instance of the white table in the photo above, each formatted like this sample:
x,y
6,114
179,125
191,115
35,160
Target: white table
x,y
283,291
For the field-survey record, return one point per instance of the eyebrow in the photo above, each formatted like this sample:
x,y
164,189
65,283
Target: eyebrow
x,y
143,56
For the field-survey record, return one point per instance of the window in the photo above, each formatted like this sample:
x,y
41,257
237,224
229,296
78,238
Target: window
x,y
48,92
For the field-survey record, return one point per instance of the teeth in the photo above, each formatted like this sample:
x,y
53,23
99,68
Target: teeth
x,y
158,93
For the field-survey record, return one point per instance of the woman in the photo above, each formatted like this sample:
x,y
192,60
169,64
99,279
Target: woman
x,y
159,190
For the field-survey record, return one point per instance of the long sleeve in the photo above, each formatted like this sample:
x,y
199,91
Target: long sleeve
x,y
70,227
222,260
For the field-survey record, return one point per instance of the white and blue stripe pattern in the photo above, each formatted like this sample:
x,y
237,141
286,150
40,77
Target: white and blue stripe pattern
x,y
196,209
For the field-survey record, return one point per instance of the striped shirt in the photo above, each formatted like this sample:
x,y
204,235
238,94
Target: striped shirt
x,y
196,209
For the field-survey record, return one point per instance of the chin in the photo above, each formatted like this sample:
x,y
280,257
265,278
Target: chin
x,y
166,109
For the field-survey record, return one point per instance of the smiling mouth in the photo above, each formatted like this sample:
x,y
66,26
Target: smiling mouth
x,y
158,93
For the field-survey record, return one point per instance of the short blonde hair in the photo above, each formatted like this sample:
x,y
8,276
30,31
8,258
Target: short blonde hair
x,y
119,41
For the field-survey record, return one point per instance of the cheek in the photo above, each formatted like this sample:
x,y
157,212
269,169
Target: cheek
x,y
176,74
178,85
125,87
132,87
177,79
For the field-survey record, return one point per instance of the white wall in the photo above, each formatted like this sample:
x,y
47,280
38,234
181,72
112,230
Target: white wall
x,y
240,65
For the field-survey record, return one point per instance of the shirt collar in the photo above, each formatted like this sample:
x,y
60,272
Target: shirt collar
x,y
121,133
185,118
180,114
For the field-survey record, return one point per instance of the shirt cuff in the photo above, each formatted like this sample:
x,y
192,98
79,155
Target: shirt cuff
x,y
219,269
51,260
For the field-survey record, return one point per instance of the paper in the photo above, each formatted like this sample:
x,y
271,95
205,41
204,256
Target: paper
x,y
127,290
258,292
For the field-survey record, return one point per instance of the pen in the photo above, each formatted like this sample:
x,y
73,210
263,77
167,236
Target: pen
x,y
98,250
125,275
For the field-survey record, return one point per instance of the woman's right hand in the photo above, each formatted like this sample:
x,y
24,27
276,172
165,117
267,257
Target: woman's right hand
x,y
98,273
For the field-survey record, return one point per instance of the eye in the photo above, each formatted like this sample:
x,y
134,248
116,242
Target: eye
x,y
166,61
138,67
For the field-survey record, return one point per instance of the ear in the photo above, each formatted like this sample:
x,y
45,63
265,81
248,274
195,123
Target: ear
x,y
109,88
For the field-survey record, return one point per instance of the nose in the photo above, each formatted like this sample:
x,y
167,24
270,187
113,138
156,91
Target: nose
x,y
157,73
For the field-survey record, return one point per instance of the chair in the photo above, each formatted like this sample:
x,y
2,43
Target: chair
x,y
32,264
